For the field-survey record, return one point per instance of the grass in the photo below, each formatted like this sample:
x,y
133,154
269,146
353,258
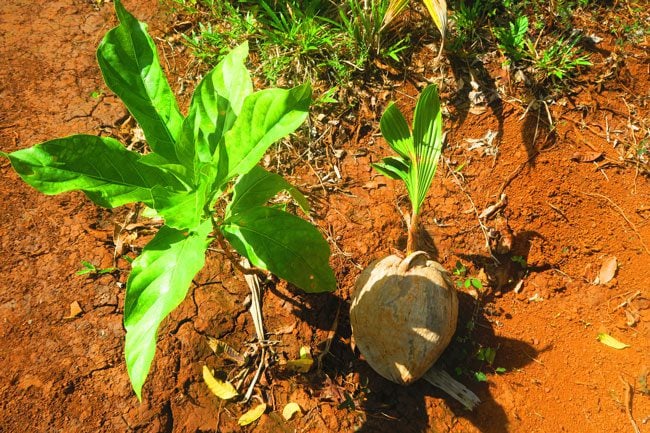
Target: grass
x,y
296,40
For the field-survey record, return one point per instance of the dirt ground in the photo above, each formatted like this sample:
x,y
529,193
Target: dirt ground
x,y
575,201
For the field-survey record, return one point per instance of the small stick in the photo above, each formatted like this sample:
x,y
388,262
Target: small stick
x,y
516,172
628,300
618,208
559,211
480,223
330,338
628,404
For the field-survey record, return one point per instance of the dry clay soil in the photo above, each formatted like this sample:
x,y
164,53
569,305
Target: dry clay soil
x,y
567,218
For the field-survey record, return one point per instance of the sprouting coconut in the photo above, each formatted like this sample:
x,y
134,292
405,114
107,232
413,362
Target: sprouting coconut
x,y
404,310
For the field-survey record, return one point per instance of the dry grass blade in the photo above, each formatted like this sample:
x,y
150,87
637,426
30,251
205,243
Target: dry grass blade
x,y
395,7
620,211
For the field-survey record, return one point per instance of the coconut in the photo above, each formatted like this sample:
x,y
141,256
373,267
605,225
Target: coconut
x,y
403,315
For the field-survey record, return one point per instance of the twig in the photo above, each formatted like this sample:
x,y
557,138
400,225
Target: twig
x,y
441,379
330,338
515,173
250,270
628,300
480,223
469,197
559,211
628,404
256,313
618,208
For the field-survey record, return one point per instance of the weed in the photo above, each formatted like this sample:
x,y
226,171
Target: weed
x,y
558,61
364,23
520,260
93,271
465,281
512,39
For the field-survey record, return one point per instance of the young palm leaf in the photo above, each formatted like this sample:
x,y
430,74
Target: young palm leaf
x,y
418,153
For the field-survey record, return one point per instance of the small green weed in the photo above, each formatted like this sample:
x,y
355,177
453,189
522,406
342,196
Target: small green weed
x,y
512,39
91,270
558,61
465,281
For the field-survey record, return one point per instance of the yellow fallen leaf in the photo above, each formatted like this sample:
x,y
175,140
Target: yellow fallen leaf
x,y
610,341
221,389
75,310
305,352
300,365
290,410
252,415
304,363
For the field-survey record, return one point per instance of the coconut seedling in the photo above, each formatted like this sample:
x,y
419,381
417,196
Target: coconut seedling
x,y
404,309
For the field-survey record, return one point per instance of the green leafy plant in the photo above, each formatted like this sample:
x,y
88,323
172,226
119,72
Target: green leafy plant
x,y
193,162
366,22
91,270
512,39
557,61
412,292
417,153
464,281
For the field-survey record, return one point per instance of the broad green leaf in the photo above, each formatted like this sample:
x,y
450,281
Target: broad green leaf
x,y
610,341
129,63
182,173
393,167
265,117
252,415
108,173
396,131
187,209
216,103
181,210
257,187
284,244
427,141
158,283
223,390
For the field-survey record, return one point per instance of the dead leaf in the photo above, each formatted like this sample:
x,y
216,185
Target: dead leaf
x,y
374,184
75,310
607,270
223,390
222,348
631,318
610,341
586,156
302,364
492,209
290,410
252,415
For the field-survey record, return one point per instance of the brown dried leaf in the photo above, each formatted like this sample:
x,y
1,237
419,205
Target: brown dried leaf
x,y
587,156
607,270
222,348
75,310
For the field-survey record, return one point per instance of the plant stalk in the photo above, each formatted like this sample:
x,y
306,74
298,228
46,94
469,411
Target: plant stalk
x,y
412,244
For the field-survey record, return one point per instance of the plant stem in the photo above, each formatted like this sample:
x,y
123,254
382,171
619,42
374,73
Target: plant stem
x,y
412,241
226,251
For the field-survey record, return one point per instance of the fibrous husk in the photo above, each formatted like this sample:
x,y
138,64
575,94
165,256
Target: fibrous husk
x,y
403,315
